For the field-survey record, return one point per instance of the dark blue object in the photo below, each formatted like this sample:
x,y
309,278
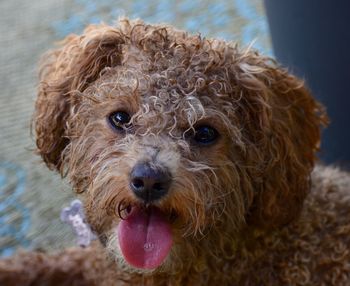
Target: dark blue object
x,y
313,39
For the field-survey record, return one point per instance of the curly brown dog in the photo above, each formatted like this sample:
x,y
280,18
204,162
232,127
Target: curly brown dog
x,y
195,162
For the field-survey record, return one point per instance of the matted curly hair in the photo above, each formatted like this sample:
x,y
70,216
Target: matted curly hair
x,y
256,176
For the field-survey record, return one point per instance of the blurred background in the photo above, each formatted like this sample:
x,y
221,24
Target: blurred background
x,y
31,197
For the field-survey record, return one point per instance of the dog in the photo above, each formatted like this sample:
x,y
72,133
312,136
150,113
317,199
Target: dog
x,y
195,161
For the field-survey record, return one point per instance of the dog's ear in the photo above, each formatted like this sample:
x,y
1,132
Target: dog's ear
x,y
281,125
64,73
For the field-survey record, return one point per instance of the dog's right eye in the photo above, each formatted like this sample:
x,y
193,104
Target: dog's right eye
x,y
119,119
205,135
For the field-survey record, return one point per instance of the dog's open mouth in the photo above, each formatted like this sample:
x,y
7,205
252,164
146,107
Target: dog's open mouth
x,y
145,237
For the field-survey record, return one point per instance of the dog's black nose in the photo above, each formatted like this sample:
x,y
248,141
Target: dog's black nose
x,y
149,183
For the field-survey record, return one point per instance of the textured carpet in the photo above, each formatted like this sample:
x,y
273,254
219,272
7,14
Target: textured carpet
x,y
31,197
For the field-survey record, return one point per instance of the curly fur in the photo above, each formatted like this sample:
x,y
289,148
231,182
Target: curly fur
x,y
248,211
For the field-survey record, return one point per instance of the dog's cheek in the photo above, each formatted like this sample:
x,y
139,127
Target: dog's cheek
x,y
98,219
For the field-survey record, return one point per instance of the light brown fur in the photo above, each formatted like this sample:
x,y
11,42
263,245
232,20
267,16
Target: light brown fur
x,y
248,211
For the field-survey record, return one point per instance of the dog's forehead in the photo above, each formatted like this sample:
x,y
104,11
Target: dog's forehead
x,y
193,66
179,85
163,93
170,76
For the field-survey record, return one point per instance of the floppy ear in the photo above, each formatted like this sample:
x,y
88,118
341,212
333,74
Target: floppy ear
x,y
281,123
64,73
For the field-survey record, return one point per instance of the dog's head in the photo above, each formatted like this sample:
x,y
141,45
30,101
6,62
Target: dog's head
x,y
174,139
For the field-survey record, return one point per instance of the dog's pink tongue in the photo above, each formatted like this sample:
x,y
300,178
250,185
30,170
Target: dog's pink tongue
x,y
145,238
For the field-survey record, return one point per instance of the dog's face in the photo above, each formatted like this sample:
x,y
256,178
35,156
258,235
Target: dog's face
x,y
149,153
174,140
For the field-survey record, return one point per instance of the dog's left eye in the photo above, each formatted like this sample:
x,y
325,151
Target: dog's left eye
x,y
119,119
205,134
